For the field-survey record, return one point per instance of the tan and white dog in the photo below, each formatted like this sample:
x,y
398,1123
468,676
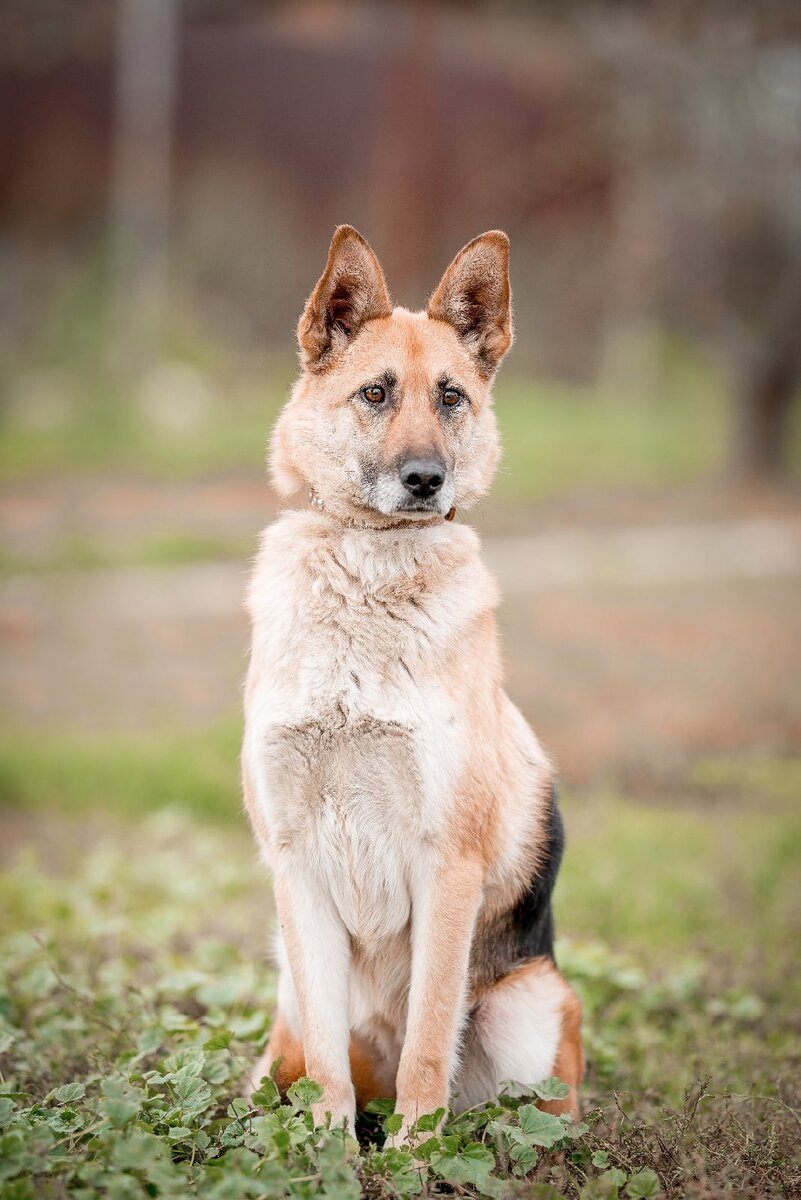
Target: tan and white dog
x,y
405,808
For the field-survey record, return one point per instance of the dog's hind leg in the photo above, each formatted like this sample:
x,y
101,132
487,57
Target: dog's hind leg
x,y
527,1027
285,1048
372,1077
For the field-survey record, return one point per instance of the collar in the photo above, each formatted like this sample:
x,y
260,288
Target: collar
x,y
350,523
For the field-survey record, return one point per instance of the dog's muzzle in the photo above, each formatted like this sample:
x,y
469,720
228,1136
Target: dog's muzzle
x,y
422,486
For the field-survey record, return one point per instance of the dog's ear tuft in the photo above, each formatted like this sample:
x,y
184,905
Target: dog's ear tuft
x,y
350,291
474,296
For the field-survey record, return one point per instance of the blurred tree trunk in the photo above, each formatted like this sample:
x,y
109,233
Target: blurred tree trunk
x,y
145,78
767,384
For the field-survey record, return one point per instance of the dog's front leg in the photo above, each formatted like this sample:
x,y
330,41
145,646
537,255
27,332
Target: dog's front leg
x,y
318,950
444,907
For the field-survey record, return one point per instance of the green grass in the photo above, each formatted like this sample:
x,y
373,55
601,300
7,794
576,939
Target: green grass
x,y
659,415
708,872
79,552
126,775
70,412
104,431
556,437
134,993
755,775
562,438
717,877
134,990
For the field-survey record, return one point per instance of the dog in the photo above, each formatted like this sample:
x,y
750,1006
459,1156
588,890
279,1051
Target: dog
x,y
404,807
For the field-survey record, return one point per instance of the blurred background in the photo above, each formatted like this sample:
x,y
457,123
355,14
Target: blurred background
x,y
170,174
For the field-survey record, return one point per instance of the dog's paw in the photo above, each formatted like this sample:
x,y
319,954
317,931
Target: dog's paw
x,y
342,1112
410,1135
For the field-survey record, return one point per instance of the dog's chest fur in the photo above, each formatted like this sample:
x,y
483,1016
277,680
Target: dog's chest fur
x,y
349,714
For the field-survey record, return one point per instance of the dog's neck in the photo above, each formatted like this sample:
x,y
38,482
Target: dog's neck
x,y
376,521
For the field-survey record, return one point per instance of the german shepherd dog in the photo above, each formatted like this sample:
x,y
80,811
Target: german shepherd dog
x,y
405,809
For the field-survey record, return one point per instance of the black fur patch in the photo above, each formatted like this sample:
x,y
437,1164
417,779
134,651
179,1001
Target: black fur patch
x,y
525,931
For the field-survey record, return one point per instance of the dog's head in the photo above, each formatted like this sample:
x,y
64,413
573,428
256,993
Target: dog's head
x,y
391,420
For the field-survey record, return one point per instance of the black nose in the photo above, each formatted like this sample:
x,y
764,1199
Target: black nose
x,y
423,477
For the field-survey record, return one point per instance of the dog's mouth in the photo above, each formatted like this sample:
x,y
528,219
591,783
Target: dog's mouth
x,y
385,494
420,506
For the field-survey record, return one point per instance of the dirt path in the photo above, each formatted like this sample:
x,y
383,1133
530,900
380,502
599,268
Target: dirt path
x,y
625,646
656,555
39,517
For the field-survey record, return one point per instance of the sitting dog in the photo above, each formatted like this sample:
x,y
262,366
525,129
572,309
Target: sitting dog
x,y
405,809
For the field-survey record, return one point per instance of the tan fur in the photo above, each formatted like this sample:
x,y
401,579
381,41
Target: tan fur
x,y
569,1061
397,794
316,433
569,1065
441,958
286,1050
480,269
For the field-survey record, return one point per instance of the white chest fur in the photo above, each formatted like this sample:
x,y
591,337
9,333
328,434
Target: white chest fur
x,y
353,738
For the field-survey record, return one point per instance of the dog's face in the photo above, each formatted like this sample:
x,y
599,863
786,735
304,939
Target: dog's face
x,y
391,420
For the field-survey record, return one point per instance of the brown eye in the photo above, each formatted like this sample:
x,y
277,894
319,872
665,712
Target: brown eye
x,y
451,397
374,394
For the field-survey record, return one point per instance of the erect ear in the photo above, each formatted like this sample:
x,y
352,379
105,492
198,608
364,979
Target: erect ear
x,y
350,291
474,297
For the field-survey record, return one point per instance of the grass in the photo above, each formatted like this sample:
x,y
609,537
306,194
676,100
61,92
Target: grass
x,y
716,869
663,421
556,439
105,429
129,775
135,993
80,552
559,438
660,418
552,433
134,990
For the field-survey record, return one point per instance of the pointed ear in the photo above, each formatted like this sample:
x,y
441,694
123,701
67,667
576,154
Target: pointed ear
x,y
351,290
474,297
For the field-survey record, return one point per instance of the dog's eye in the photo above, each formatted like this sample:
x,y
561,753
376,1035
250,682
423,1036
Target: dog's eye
x,y
451,396
375,394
